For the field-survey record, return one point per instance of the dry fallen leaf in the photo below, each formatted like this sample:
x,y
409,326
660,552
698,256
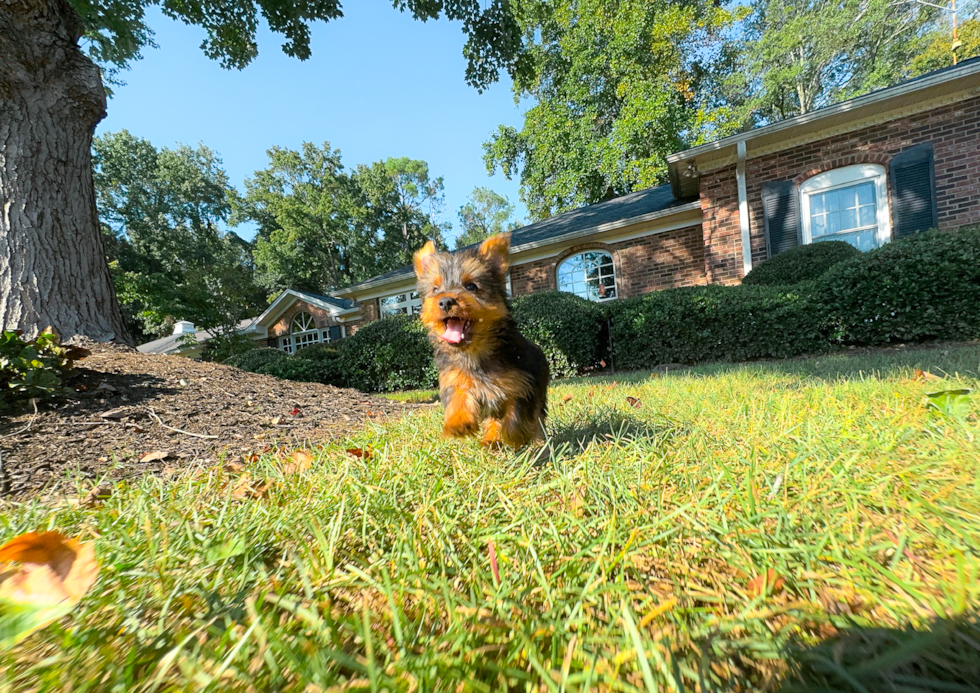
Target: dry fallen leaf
x,y
114,414
634,402
602,363
925,375
155,456
53,574
96,496
301,461
358,452
770,582
247,487
566,399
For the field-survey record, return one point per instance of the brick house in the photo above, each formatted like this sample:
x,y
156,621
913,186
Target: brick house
x,y
867,171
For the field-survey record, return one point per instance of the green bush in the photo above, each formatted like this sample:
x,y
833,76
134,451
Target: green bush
x,y
717,323
919,288
254,359
802,264
325,360
34,368
569,329
388,354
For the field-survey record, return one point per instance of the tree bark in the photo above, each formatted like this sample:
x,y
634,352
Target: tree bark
x,y
53,269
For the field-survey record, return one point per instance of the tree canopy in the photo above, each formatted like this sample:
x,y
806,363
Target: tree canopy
x,y
161,212
117,31
485,214
321,226
615,88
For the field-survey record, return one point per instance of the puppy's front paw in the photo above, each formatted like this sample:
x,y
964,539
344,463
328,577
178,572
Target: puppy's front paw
x,y
460,425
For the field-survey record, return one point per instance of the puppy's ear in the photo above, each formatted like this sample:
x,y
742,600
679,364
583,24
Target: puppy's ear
x,y
423,259
496,251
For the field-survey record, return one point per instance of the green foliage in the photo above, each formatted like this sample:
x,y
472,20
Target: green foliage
x,y
485,214
569,329
315,367
922,287
616,87
801,264
326,359
33,368
161,212
799,56
116,30
938,52
717,323
389,354
321,226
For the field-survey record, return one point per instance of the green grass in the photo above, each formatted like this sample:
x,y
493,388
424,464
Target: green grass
x,y
623,549
414,396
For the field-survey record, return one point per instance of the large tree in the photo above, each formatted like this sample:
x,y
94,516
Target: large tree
x,y
321,226
800,55
486,213
162,212
615,86
53,269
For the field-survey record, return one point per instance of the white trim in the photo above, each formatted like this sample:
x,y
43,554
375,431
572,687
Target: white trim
x,y
743,211
408,303
844,177
612,263
280,305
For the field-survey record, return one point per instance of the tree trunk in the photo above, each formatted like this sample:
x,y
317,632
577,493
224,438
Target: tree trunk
x,y
53,270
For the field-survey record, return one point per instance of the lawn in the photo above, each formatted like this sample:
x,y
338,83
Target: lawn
x,y
798,525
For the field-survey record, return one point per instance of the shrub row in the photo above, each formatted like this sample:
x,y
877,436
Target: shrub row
x,y
804,301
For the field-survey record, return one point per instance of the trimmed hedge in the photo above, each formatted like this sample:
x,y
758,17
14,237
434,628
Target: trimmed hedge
x,y
802,264
392,353
717,323
919,288
569,329
281,365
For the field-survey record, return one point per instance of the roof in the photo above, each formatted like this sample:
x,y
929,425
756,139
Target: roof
x,y
176,342
635,207
910,91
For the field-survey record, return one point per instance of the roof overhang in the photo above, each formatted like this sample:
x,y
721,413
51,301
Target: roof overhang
x,y
282,303
930,91
665,219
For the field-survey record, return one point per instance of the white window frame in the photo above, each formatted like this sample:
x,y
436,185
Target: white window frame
x,y
307,335
410,301
845,177
612,261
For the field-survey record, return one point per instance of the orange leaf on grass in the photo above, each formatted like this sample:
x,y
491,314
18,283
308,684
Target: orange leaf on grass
x,y
566,399
769,582
53,574
247,487
301,461
925,375
634,402
364,454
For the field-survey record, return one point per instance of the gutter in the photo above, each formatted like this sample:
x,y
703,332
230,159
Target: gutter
x,y
743,210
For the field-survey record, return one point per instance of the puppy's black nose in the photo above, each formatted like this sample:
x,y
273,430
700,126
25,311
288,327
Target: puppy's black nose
x,y
447,303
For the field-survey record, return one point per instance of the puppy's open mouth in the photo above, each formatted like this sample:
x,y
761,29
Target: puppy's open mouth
x,y
456,330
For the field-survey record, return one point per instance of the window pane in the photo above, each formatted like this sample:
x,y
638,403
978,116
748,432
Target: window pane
x,y
590,275
833,201
818,226
865,194
817,204
849,219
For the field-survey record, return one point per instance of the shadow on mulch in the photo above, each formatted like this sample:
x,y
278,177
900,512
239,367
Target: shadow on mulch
x,y
134,413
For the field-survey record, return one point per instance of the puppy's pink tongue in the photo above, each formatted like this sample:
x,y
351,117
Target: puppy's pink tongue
x,y
454,331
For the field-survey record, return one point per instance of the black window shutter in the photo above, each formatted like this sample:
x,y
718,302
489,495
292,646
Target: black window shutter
x,y
781,206
334,333
913,187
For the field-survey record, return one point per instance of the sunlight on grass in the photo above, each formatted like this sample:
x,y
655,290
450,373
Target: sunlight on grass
x,y
625,548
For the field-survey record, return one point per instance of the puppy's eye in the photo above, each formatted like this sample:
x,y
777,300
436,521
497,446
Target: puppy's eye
x,y
470,286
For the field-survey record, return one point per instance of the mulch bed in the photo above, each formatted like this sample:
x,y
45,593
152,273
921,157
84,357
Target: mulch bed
x,y
136,413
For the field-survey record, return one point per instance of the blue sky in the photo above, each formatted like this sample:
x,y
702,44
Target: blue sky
x,y
378,84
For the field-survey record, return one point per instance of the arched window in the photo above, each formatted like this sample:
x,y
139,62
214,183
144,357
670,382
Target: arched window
x,y
590,275
847,204
302,332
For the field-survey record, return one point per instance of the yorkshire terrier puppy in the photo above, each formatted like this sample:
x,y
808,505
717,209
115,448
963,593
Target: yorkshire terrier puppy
x,y
488,371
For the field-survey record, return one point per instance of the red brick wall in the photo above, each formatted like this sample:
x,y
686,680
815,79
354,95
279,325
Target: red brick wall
x,y
954,131
649,263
